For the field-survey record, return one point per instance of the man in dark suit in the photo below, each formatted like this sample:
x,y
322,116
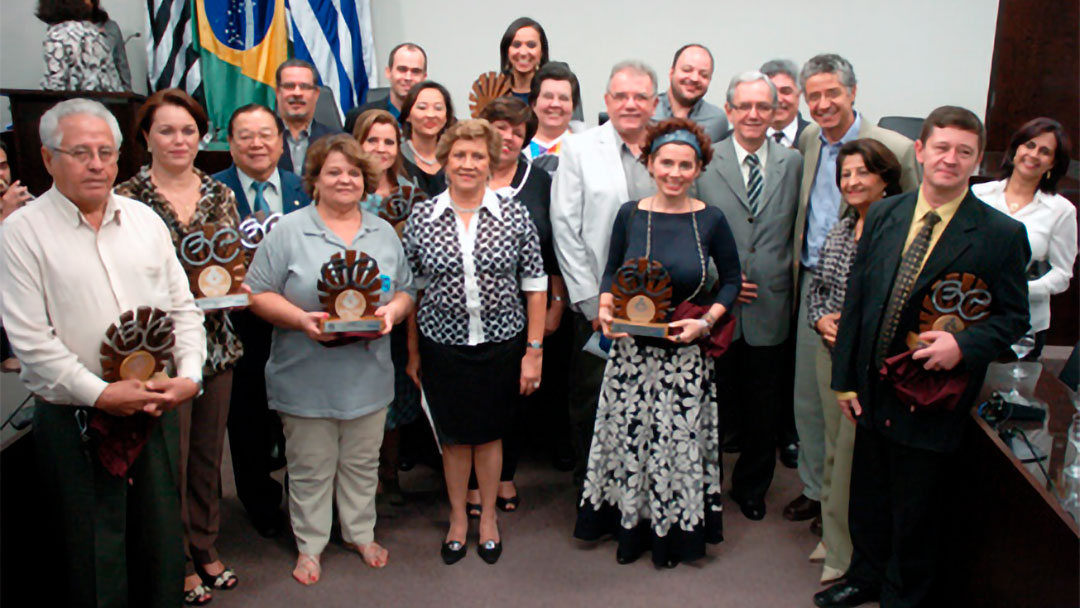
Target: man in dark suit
x,y
297,89
755,182
256,143
408,66
788,123
904,458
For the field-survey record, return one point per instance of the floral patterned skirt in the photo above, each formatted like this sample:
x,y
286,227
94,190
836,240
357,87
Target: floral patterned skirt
x,y
654,474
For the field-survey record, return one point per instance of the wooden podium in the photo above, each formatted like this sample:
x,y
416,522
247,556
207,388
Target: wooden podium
x,y
27,106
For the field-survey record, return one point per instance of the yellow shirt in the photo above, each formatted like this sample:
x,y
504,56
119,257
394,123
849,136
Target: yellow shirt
x,y
946,211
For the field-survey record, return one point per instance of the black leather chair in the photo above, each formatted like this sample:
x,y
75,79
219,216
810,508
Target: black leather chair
x,y
908,126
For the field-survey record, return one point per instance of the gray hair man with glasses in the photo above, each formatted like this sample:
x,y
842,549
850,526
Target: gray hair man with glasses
x,y
71,264
755,182
600,169
297,91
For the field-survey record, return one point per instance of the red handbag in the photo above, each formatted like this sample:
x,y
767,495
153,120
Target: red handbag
x,y
717,341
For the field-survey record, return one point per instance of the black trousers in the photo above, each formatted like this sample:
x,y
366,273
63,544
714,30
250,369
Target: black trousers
x,y
900,498
586,376
750,379
253,428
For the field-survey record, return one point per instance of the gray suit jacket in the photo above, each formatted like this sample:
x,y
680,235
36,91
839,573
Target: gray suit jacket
x,y
810,146
764,240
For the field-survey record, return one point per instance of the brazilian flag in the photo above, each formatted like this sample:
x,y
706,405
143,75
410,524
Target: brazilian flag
x,y
240,44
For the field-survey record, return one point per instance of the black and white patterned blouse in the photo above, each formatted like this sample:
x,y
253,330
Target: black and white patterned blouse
x,y
78,58
828,284
473,276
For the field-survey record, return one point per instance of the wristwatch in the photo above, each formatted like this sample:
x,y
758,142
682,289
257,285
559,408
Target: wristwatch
x,y
537,344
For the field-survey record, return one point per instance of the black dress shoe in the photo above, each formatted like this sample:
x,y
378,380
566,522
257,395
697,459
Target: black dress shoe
x,y
406,463
626,556
802,509
846,594
752,508
815,526
789,455
489,551
269,524
452,552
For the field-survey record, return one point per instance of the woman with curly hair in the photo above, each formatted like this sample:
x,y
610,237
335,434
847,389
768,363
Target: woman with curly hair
x,y
654,477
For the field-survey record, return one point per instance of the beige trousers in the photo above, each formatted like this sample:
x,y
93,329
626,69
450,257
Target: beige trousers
x,y
836,483
328,457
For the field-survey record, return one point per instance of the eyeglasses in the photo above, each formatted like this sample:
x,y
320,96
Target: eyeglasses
x,y
84,154
625,97
303,86
265,135
760,107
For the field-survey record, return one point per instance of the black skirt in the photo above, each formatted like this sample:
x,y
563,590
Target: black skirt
x,y
472,391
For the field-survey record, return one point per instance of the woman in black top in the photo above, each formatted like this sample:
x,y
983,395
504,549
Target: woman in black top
x,y
425,115
654,475
522,51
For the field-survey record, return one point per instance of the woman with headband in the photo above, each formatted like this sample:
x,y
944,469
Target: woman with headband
x,y
654,475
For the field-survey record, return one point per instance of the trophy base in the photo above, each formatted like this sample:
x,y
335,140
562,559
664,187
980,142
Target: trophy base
x,y
234,300
647,330
362,325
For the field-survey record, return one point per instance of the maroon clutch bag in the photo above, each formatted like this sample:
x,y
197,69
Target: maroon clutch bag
x,y
920,389
717,341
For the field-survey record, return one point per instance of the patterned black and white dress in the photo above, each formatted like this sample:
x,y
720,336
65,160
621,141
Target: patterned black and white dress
x,y
472,316
78,58
654,474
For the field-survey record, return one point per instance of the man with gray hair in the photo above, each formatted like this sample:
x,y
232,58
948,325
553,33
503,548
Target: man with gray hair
x,y
72,263
297,91
599,170
829,86
788,122
755,182
690,75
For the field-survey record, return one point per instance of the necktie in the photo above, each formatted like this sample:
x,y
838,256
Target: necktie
x,y
910,265
260,203
778,137
753,182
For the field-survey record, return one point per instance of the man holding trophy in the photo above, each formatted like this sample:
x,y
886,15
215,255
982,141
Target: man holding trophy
x,y
96,303
656,422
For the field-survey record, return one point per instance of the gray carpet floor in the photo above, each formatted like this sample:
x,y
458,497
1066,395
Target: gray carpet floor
x,y
758,564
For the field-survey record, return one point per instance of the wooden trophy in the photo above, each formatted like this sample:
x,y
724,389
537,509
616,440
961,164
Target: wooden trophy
x,y
349,291
253,229
214,261
397,207
487,87
642,292
954,302
138,347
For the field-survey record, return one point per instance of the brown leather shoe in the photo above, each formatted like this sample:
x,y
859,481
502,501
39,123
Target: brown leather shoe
x,y
802,509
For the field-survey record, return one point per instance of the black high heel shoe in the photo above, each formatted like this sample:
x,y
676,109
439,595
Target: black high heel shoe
x,y
489,551
452,552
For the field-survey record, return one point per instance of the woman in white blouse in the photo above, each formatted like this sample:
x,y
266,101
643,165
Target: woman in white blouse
x,y
1037,157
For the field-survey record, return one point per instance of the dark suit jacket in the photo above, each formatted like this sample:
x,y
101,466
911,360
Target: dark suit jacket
x,y
803,123
293,196
350,118
979,240
317,130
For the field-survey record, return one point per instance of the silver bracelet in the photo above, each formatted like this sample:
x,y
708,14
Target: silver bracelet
x,y
558,299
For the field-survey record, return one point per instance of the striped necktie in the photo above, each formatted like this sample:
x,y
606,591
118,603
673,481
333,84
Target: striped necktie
x,y
753,182
910,265
260,203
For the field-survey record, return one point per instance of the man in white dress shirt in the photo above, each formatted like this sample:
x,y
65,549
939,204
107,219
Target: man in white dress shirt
x,y
599,170
73,262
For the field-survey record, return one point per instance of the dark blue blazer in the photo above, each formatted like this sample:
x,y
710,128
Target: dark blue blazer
x,y
317,130
293,196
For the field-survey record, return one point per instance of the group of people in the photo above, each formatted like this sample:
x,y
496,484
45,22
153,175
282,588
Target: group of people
x,y
497,238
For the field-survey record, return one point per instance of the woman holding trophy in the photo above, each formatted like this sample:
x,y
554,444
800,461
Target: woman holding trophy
x,y
170,124
654,475
329,265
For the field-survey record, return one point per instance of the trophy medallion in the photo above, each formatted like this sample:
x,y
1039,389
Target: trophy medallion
x,y
138,346
396,207
487,87
214,260
253,229
955,302
349,289
642,293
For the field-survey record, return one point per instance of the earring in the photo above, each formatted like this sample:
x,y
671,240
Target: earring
x,y
1047,175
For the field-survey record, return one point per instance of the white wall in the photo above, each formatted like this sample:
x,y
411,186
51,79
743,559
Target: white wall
x,y
909,56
